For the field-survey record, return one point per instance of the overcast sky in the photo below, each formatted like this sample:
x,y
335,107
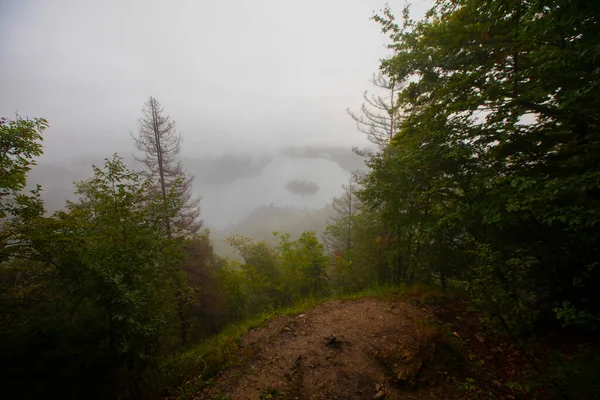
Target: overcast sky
x,y
233,74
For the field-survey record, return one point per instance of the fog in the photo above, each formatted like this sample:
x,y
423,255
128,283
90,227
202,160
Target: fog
x,y
258,89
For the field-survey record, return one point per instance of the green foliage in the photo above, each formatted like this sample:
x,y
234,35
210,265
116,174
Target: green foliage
x,y
305,264
259,274
491,180
205,311
356,242
365,260
20,145
116,251
273,277
574,375
88,297
268,394
572,316
192,369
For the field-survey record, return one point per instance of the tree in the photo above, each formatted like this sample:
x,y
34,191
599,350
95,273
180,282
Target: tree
x,y
357,240
494,167
305,264
338,237
379,116
122,258
93,291
260,270
160,144
20,145
205,313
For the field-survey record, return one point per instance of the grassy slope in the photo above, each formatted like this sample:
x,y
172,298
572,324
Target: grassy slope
x,y
186,373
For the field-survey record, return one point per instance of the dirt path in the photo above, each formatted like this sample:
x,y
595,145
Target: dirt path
x,y
362,349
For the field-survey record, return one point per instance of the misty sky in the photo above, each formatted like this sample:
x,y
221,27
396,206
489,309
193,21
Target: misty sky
x,y
231,73
239,77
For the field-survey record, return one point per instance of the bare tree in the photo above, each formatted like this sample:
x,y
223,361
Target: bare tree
x,y
378,118
160,144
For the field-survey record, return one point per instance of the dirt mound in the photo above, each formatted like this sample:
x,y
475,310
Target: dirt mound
x,y
362,349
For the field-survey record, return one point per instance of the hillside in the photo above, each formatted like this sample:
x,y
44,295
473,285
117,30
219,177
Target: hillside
x,y
330,200
370,348
338,350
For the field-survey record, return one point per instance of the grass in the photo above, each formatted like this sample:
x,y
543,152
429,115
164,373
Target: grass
x,y
191,370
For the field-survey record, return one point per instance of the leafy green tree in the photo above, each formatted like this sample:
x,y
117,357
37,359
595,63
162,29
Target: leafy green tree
x,y
270,277
231,283
260,270
305,263
20,145
206,305
494,168
120,257
355,240
91,298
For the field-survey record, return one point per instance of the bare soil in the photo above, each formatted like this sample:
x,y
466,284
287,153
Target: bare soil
x,y
362,349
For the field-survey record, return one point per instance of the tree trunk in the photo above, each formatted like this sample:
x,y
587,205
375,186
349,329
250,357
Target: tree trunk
x,y
159,155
